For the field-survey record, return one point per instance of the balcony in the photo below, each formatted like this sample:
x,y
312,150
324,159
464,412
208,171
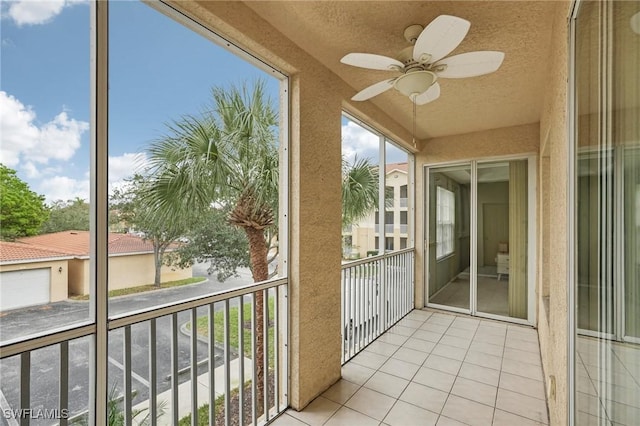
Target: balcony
x,y
436,368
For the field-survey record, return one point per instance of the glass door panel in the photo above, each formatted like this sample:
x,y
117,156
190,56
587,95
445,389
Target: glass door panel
x,y
449,244
502,209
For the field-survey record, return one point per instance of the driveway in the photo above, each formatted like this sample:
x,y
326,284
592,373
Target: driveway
x,y
44,362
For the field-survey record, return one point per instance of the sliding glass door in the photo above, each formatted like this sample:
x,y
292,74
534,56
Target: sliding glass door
x,y
449,243
478,229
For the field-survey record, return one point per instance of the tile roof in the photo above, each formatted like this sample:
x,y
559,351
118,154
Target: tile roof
x,y
19,251
77,243
402,167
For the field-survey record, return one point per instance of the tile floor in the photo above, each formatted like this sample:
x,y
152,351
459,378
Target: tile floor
x,y
435,368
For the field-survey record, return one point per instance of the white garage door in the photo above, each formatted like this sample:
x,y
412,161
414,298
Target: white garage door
x,y
24,288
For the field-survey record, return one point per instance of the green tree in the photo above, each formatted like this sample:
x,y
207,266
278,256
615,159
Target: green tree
x,y
22,211
67,215
133,205
226,157
213,240
359,189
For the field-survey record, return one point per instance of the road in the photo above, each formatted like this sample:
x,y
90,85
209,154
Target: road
x,y
44,362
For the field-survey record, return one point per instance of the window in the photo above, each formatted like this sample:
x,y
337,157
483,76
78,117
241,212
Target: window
x,y
388,244
445,222
403,243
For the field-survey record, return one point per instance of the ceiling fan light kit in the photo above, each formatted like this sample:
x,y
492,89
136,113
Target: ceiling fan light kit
x,y
426,61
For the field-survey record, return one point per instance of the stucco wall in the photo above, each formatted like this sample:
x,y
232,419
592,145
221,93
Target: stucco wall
x,y
552,328
59,277
316,101
78,277
135,270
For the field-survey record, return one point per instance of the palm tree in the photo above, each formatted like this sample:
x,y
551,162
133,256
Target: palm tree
x,y
228,156
359,189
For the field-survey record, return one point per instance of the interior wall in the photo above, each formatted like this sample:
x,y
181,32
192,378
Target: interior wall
x,y
489,193
552,328
514,140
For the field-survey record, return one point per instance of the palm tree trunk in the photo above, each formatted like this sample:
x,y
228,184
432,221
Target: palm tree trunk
x,y
260,270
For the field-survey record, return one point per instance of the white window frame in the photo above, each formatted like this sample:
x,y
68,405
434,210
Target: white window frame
x,y
445,222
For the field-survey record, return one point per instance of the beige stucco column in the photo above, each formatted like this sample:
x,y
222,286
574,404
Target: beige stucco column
x,y
315,238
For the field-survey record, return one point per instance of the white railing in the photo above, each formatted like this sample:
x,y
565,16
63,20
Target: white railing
x,y
376,293
159,368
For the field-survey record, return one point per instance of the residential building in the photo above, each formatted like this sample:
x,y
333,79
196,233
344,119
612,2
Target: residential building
x,y
547,147
363,238
50,267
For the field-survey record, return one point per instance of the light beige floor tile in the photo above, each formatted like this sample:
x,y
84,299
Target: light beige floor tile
x,y
523,385
371,403
401,330
522,345
522,405
317,412
356,373
485,337
464,333
348,417
382,348
411,323
502,418
466,411
486,348
442,319
435,379
427,335
369,359
341,391
403,414
443,364
286,420
449,351
524,356
424,397
465,323
399,368
522,369
480,374
410,355
418,314
387,384
394,339
483,360
446,421
434,328
457,342
475,391
419,345
522,333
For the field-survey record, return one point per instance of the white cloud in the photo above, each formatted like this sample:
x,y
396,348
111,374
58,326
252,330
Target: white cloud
x,y
124,166
35,12
358,140
22,139
64,188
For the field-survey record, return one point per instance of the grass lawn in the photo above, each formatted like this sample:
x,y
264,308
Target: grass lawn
x,y
145,288
218,330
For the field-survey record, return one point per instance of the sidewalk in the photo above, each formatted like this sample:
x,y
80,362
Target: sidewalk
x,y
184,391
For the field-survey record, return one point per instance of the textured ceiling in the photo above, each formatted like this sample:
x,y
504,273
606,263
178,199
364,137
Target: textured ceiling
x,y
513,95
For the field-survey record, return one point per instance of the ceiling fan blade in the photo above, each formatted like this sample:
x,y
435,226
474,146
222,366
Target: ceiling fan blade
x,y
373,62
470,64
373,90
429,95
439,38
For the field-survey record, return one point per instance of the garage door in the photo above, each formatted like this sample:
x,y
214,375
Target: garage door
x,y
24,288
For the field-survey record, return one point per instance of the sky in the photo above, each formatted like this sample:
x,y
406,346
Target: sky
x,y
158,71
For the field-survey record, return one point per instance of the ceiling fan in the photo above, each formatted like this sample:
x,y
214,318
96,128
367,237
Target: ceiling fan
x,y
422,64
